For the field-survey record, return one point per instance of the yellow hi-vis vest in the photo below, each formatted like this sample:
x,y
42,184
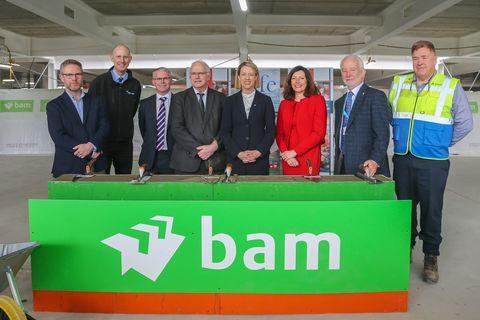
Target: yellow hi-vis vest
x,y
422,123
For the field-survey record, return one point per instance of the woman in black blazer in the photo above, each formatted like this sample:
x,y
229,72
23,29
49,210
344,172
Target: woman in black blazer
x,y
248,124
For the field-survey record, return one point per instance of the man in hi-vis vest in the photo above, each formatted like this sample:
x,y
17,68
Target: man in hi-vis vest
x,y
430,114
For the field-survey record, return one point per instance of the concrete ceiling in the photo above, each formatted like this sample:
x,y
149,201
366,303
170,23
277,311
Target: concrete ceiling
x,y
378,28
26,23
149,7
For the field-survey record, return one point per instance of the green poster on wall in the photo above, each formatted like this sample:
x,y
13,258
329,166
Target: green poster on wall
x,y
43,104
16,105
473,106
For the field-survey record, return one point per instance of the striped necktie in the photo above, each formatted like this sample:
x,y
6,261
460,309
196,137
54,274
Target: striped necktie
x,y
346,114
161,130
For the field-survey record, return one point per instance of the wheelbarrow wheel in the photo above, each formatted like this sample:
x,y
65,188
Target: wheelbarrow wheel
x,y
10,310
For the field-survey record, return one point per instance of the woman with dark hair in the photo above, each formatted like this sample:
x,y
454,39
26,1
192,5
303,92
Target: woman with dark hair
x,y
248,124
301,124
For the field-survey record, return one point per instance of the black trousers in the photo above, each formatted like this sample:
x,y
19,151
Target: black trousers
x,y
341,160
423,181
162,163
120,154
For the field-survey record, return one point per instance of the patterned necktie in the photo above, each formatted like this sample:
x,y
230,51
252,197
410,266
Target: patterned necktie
x,y
200,100
120,80
346,114
161,117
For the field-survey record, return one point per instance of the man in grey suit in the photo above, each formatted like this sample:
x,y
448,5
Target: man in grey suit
x,y
195,125
362,123
154,120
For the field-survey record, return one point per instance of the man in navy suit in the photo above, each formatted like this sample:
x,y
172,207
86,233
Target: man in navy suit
x,y
154,122
77,123
362,123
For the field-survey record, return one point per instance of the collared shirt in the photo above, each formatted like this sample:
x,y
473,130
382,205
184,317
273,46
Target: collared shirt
x,y
116,77
204,96
78,104
168,101
79,107
355,93
248,101
461,112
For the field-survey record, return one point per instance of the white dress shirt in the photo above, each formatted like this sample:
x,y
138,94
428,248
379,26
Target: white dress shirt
x,y
204,96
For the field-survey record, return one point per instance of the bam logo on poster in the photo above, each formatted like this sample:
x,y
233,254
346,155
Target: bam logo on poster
x,y
16,105
161,251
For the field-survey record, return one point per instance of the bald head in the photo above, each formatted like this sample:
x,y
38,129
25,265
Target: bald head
x,y
353,72
121,58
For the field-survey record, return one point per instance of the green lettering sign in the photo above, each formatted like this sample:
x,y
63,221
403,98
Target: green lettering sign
x,y
256,247
43,105
16,105
473,106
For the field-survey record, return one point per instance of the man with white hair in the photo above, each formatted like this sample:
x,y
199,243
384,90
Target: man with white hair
x,y
195,125
362,123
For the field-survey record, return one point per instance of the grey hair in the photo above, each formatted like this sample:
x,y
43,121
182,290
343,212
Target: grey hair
x,y
164,70
203,63
354,57
68,62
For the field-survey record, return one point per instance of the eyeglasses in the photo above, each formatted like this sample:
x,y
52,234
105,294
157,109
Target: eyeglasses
x,y
72,75
194,74
161,79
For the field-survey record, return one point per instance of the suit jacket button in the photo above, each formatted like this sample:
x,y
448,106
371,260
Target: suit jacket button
x,y
248,138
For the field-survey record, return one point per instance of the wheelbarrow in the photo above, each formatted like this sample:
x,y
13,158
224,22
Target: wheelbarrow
x,y
12,258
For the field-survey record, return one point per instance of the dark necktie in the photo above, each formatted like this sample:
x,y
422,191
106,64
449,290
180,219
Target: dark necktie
x,y
161,117
200,100
120,80
346,114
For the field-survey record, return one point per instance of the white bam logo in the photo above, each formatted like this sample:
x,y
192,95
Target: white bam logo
x,y
8,105
160,251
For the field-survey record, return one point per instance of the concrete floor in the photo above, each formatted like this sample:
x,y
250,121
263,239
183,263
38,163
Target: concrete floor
x,y
456,296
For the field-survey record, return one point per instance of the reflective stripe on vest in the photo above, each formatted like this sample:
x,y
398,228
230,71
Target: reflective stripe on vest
x,y
422,123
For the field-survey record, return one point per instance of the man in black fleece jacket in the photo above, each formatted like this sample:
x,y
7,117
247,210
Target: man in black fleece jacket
x,y
121,93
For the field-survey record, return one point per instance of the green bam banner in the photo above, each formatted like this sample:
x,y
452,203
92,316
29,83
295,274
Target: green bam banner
x,y
473,106
221,246
43,104
16,105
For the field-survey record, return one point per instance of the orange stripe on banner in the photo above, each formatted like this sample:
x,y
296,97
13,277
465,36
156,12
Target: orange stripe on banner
x,y
219,303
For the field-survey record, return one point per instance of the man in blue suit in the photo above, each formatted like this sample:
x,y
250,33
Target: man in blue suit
x,y
77,123
362,124
154,118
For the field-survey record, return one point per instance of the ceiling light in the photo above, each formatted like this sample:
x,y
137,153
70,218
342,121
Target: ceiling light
x,y
8,66
8,80
243,5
